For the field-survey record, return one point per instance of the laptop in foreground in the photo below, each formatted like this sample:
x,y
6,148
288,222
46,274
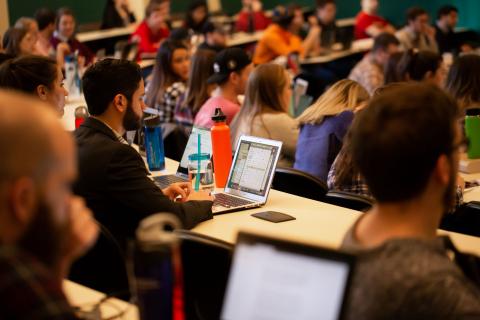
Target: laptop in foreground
x,y
272,279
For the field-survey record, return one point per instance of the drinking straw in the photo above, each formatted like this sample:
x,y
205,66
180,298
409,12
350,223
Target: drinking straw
x,y
197,181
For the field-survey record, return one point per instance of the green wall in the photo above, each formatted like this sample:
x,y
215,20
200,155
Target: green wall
x,y
91,10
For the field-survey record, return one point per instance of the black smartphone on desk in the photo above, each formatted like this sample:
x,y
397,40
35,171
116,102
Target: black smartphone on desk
x,y
273,216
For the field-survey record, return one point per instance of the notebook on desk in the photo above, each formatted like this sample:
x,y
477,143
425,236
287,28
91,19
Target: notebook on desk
x,y
251,175
274,279
182,172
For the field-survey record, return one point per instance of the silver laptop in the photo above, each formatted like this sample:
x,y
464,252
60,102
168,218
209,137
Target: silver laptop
x,y
250,176
182,172
272,279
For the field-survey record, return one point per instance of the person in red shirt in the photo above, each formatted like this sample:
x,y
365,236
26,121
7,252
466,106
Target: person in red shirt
x,y
368,24
252,18
153,29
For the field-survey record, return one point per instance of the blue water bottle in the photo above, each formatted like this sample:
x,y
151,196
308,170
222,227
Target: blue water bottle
x,y
154,144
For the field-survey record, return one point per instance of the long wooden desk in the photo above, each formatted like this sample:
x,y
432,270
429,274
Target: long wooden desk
x,y
358,46
316,222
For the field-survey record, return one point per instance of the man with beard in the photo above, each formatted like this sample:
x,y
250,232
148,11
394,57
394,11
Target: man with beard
x,y
43,227
113,177
406,144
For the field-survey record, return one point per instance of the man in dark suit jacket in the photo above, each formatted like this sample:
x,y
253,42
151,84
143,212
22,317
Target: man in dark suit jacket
x,y
113,178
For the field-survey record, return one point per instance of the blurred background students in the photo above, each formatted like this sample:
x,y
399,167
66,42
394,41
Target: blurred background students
x,y
252,17
215,37
153,29
368,23
417,34
447,19
46,25
117,14
196,16
463,82
18,42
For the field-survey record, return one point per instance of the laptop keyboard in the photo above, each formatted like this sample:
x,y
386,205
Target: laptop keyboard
x,y
227,201
164,181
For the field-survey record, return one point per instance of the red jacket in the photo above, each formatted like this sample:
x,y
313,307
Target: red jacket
x,y
147,41
260,21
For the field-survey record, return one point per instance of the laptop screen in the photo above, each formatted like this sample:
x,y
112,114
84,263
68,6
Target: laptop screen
x,y
283,280
192,146
253,167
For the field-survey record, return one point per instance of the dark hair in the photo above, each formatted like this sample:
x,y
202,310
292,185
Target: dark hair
x,y
63,12
201,69
107,78
406,129
414,65
322,3
44,17
415,12
283,16
446,10
384,40
463,80
163,75
12,39
26,73
189,22
391,73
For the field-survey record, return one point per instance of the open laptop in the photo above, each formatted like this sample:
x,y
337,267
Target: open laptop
x,y
182,172
250,176
273,279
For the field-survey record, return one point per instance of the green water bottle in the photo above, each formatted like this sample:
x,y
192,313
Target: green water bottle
x,y
472,131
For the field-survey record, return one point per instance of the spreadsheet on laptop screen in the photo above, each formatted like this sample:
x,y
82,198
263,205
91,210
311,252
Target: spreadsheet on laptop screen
x,y
253,167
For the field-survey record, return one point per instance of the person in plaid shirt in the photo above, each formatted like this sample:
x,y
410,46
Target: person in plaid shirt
x,y
43,227
369,71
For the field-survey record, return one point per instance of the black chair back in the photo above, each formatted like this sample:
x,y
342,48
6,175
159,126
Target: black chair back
x,y
349,200
206,265
299,183
466,219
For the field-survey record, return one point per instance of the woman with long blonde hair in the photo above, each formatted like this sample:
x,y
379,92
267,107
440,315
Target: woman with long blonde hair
x,y
324,125
264,111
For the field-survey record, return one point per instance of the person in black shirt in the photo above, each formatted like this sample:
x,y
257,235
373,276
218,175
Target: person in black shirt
x,y
446,21
215,38
326,12
117,14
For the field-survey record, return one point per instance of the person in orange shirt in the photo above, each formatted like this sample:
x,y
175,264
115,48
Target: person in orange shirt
x,y
281,38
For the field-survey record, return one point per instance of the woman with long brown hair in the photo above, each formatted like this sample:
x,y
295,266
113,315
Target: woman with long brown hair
x,y
198,90
264,111
170,75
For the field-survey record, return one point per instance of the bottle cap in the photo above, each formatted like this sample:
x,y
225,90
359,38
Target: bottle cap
x,y
219,116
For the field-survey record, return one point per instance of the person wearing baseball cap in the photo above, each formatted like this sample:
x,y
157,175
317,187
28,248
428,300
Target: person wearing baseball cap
x,y
231,69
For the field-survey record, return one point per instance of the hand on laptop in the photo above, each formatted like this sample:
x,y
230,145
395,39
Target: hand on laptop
x,y
180,189
201,196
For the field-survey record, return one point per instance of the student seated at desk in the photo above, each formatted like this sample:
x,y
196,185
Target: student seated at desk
x,y
368,24
370,71
463,82
36,75
112,175
153,29
170,74
65,34
117,14
421,66
325,18
324,124
403,270
417,34
215,38
231,70
46,25
251,17
281,38
18,42
43,226
198,90
265,111
196,16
